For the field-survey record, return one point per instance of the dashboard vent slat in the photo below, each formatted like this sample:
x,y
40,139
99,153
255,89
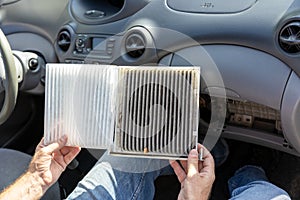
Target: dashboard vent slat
x,y
64,40
289,38
135,45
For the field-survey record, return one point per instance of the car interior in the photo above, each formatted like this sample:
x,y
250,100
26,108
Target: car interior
x,y
248,52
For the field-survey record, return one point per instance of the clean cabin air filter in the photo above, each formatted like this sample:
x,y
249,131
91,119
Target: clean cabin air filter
x,y
131,111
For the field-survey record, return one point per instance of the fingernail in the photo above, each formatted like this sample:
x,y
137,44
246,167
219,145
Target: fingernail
x,y
194,152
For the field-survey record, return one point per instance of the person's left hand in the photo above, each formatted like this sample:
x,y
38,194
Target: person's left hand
x,y
196,177
49,161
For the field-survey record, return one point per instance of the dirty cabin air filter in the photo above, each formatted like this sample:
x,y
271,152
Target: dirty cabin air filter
x,y
131,111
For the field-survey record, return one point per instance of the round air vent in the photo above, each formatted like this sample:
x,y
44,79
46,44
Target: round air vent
x,y
289,38
64,40
135,45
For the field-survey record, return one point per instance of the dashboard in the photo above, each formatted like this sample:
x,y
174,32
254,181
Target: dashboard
x,y
253,45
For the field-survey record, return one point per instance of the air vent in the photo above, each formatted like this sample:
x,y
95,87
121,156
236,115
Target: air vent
x,y
64,40
135,45
289,38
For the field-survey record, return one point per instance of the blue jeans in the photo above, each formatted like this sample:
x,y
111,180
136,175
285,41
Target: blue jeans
x,y
251,183
111,178
116,178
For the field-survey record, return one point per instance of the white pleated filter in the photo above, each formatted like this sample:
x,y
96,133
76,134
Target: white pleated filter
x,y
157,111
132,111
79,102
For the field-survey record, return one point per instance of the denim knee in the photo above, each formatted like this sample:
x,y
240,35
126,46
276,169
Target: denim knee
x,y
251,183
246,175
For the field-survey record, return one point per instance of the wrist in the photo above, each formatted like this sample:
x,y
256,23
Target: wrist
x,y
28,186
205,195
36,182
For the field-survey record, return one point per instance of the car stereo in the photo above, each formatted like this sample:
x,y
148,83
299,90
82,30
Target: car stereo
x,y
94,46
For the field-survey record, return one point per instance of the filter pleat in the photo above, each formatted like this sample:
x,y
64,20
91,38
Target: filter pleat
x,y
78,103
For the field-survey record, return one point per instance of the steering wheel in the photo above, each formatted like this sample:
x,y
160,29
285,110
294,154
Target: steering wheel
x,y
11,81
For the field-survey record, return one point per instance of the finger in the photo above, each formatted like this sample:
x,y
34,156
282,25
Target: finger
x,y
184,165
180,173
56,145
205,151
65,150
208,158
208,165
72,153
192,163
40,145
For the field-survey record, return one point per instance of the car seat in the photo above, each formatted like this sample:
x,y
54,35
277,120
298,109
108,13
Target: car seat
x,y
13,164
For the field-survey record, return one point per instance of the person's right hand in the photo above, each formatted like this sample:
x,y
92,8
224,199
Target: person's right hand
x,y
49,161
196,177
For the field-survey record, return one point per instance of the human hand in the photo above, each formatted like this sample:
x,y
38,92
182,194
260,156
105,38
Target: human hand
x,y
49,161
196,177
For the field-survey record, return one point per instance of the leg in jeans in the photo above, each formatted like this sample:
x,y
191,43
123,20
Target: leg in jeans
x,y
121,178
129,178
251,183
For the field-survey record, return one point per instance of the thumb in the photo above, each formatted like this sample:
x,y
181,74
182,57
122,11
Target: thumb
x,y
56,145
192,163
